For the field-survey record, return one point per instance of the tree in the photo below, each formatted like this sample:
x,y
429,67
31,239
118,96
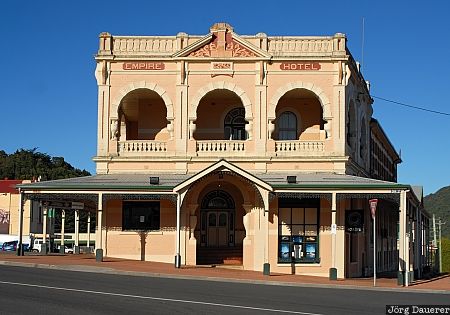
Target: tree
x,y
30,164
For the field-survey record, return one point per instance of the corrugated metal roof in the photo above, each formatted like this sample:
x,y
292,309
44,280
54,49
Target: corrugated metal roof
x,y
168,181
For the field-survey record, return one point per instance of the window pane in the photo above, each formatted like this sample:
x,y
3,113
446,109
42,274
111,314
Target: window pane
x,y
223,219
212,219
140,215
311,230
297,230
284,215
297,215
287,126
311,216
285,253
311,251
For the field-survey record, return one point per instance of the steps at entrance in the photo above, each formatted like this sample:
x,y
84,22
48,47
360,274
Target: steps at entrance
x,y
219,255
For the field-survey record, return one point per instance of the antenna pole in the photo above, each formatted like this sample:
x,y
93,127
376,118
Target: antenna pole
x,y
362,45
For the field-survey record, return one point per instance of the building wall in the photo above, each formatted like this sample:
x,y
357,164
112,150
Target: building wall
x,y
9,203
187,86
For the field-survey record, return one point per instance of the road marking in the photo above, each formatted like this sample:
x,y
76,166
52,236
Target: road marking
x,y
157,298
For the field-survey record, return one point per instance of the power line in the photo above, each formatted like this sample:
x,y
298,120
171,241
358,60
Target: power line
x,y
411,106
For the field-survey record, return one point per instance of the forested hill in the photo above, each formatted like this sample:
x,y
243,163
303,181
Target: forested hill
x,y
31,164
439,205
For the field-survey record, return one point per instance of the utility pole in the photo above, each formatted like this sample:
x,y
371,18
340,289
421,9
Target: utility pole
x,y
440,244
434,241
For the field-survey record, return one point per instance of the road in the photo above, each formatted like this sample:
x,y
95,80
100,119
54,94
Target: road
x,y
25,290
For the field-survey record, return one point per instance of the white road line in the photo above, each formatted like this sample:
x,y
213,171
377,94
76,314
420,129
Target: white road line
x,y
157,298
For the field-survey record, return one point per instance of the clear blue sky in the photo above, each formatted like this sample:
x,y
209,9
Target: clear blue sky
x,y
49,94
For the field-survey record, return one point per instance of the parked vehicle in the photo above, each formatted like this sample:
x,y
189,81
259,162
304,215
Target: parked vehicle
x,y
12,246
7,238
67,250
37,245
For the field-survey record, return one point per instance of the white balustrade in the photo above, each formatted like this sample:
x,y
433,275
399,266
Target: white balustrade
x,y
142,45
220,147
300,46
298,148
142,147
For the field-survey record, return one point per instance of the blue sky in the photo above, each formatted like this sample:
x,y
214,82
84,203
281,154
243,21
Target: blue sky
x,y
49,93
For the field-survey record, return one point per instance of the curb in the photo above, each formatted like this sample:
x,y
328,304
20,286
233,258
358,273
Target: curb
x,y
112,271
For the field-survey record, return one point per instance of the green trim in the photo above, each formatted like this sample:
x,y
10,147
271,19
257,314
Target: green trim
x,y
339,186
94,187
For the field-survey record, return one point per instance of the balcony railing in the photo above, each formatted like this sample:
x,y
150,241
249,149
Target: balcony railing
x,y
142,147
220,147
298,148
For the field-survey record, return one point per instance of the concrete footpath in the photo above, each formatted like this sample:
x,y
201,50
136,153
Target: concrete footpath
x,y
87,263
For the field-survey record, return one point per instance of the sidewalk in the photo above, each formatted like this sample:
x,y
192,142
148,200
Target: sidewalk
x,y
144,268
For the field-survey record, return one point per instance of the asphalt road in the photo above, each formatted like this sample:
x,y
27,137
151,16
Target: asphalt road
x,y
43,291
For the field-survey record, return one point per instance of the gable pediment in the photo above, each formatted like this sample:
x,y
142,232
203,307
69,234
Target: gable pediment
x,y
222,44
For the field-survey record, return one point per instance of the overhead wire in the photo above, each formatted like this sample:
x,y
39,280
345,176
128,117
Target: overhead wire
x,y
411,106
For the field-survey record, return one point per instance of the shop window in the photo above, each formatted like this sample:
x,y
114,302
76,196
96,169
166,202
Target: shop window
x,y
298,230
139,215
287,126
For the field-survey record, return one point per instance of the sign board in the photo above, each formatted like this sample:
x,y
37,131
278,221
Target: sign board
x,y
373,207
300,66
77,205
354,220
138,65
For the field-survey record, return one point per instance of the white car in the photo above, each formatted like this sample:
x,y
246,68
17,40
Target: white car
x,y
67,250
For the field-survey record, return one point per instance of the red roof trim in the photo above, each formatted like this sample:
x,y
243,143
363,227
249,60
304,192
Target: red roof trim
x,y
9,186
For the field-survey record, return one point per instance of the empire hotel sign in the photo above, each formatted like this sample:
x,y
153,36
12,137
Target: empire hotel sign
x,y
137,65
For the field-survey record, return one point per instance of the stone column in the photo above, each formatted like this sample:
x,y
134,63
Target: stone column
x,y
20,229
44,231
177,255
402,241
98,242
89,231
63,219
77,232
333,269
266,266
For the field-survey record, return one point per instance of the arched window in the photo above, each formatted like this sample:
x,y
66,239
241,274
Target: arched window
x,y
234,124
362,140
287,126
218,199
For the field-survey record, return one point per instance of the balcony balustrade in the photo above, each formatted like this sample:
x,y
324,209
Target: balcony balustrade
x,y
142,147
299,148
220,148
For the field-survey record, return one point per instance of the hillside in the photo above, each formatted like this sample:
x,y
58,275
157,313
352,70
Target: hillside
x,y
439,205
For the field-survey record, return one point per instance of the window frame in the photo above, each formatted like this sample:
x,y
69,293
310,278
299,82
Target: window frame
x,y
289,129
298,243
149,210
232,128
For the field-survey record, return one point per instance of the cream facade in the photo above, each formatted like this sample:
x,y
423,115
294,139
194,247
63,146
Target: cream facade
x,y
252,150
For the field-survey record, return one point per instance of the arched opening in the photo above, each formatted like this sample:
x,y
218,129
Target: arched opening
x,y
220,116
217,219
299,116
363,140
351,125
143,116
220,230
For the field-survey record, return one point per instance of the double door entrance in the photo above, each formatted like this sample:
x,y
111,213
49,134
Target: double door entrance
x,y
217,228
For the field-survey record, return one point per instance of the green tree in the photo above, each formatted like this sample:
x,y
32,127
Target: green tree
x,y
30,164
